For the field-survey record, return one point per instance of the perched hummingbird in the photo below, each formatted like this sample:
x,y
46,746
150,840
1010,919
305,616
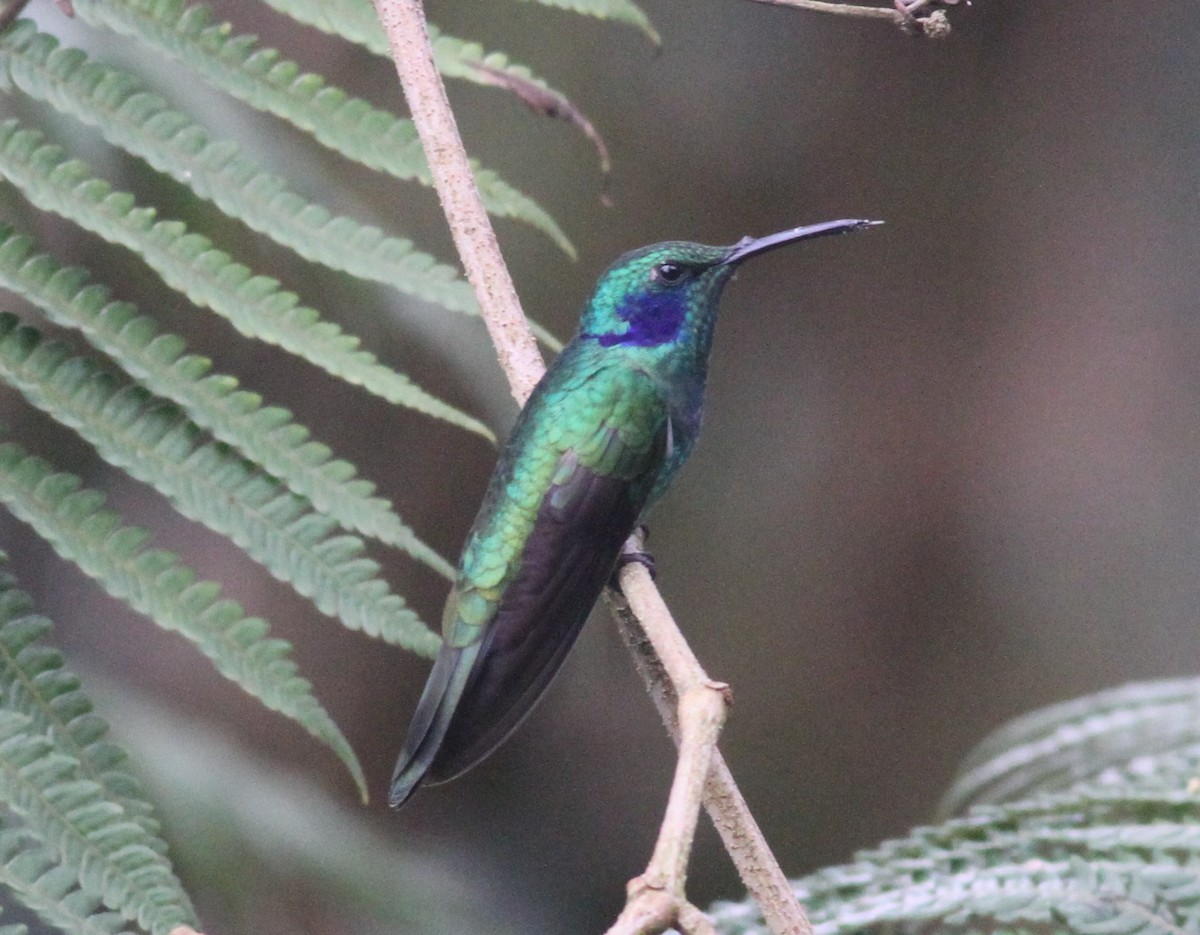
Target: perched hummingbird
x,y
600,439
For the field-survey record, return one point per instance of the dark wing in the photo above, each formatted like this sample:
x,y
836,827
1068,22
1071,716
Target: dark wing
x,y
480,690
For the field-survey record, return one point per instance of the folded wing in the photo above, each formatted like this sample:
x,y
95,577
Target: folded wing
x,y
520,628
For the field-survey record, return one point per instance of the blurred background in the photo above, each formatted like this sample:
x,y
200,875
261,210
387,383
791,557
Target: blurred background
x,y
950,469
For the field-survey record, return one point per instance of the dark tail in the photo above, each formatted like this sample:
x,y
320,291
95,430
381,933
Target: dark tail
x,y
431,720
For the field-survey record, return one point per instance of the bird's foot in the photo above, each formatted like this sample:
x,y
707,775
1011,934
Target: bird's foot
x,y
634,551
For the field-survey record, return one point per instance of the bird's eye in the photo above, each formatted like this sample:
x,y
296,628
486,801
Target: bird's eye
x,y
669,273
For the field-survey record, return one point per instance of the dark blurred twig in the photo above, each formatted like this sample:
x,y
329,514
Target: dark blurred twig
x,y
551,104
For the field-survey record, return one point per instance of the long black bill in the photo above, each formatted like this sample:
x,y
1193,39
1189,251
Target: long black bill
x,y
753,246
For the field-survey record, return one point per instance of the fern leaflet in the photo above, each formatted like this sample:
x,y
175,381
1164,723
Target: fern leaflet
x,y
622,11
50,889
188,262
87,833
1099,832
207,482
1073,741
34,683
261,78
154,583
267,435
113,101
356,21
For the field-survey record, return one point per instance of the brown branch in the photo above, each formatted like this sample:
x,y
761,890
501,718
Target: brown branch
x,y
910,15
673,676
840,9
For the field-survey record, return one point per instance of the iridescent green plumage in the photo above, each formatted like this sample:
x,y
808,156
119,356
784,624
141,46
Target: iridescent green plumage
x,y
599,441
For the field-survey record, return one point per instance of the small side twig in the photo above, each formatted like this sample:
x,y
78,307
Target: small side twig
x,y
697,715
911,15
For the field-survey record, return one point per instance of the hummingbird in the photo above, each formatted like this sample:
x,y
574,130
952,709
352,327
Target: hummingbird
x,y
599,441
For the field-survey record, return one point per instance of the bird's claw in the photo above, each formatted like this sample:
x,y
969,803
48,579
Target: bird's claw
x,y
634,552
637,558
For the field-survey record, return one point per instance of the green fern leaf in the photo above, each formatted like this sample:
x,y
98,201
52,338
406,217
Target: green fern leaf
x,y
356,21
154,583
50,889
1095,828
34,683
622,11
1081,897
244,819
266,435
207,482
260,78
90,835
188,262
352,20
142,123
1071,742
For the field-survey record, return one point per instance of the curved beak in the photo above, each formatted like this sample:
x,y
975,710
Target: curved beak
x,y
753,246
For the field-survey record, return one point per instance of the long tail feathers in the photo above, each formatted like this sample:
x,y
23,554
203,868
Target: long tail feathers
x,y
431,720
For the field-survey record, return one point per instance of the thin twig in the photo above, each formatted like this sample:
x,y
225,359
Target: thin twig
x,y
656,898
840,9
668,665
910,15
643,618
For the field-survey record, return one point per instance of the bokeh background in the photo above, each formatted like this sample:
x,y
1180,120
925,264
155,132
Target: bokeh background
x,y
950,470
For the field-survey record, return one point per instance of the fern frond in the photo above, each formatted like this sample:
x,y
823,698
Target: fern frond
x,y
48,888
1070,742
113,101
352,20
1090,824
469,61
87,833
1104,838
1071,896
356,21
265,434
188,262
236,821
155,583
207,482
621,11
259,77
33,682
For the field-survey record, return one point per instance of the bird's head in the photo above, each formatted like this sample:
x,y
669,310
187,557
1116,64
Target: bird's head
x,y
649,297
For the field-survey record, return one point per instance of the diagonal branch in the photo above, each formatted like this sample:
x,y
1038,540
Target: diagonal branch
x,y
660,652
675,679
